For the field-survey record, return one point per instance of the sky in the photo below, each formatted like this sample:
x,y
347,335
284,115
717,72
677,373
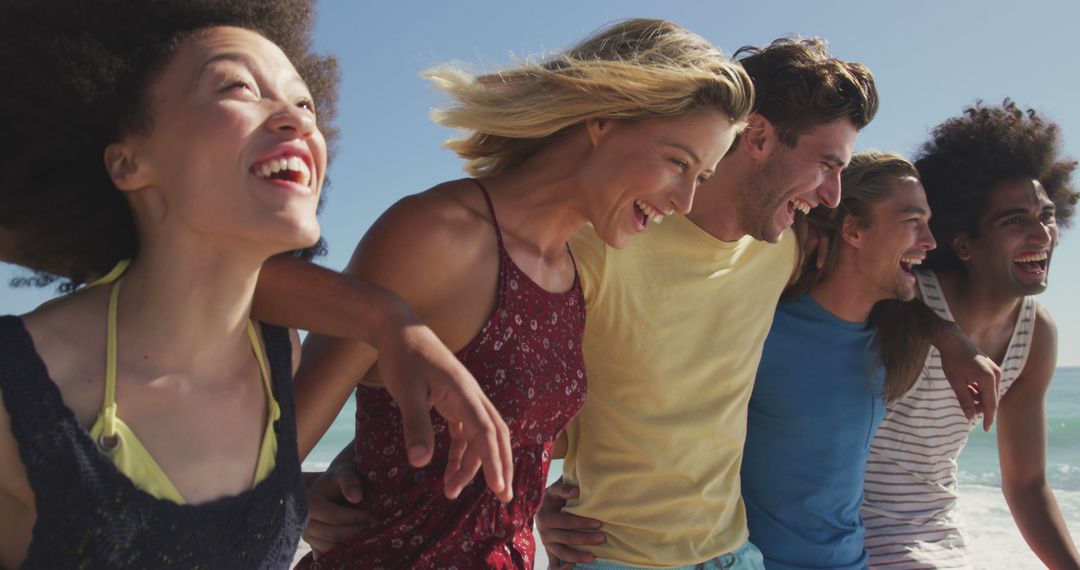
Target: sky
x,y
930,60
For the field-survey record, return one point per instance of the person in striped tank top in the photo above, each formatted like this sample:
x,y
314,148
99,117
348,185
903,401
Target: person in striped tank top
x,y
999,191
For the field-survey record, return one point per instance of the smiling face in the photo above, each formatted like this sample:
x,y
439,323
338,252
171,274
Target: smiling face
x,y
646,169
1017,236
234,155
790,179
893,240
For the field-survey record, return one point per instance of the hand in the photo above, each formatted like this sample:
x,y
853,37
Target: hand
x,y
559,530
974,376
419,372
334,514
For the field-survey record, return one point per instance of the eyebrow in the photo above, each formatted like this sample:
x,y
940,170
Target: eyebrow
x,y
1010,212
835,159
692,154
246,61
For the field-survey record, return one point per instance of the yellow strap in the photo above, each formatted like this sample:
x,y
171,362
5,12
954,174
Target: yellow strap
x,y
113,274
264,371
109,409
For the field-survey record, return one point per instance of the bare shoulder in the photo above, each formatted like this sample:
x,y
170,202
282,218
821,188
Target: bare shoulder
x,y
435,239
69,337
450,215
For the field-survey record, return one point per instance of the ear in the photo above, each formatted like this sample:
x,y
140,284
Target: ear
x,y
124,167
597,128
851,231
758,136
961,245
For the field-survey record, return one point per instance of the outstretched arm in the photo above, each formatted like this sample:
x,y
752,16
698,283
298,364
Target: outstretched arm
x,y
1022,452
414,365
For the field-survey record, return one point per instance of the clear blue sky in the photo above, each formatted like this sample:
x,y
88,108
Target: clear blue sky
x,y
930,60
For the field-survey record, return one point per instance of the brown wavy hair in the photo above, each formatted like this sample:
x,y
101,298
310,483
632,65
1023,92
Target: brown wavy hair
x,y
904,329
800,86
79,76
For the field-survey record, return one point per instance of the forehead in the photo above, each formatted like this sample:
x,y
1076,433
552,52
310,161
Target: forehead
x,y
835,139
906,196
1022,194
224,42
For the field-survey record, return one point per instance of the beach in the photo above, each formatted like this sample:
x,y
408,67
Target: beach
x,y
996,543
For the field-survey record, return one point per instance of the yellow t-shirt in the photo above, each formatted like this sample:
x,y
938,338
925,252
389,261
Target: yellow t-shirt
x,y
673,335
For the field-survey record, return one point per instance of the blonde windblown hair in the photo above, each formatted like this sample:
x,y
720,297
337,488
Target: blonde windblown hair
x,y
633,69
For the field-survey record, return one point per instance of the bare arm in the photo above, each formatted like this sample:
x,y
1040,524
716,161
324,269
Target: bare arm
x,y
1022,452
415,367
17,512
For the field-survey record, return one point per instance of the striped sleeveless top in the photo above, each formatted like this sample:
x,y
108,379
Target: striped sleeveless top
x,y
909,506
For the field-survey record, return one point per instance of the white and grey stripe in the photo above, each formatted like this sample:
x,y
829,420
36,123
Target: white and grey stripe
x,y
909,506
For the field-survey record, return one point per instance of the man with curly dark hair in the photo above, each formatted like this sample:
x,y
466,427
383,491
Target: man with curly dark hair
x,y
999,191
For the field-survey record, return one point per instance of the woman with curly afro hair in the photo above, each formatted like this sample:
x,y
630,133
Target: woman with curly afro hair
x,y
170,147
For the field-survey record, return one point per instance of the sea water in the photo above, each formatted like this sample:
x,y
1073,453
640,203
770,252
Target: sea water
x,y
996,542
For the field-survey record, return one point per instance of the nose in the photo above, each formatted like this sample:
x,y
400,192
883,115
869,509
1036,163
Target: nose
x,y
682,198
829,190
926,238
1043,234
289,118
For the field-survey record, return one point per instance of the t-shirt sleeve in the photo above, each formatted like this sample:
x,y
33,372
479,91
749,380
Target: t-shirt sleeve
x,y
590,254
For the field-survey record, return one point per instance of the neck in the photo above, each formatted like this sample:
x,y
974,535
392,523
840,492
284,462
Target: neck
x,y
716,202
183,306
544,202
844,295
976,307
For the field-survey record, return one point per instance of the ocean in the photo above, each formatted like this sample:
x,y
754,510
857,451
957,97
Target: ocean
x,y
996,542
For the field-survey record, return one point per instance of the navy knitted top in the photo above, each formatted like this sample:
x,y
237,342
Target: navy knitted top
x,y
89,515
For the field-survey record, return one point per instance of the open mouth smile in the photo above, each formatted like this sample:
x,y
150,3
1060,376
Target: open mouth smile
x,y
908,264
1033,263
288,168
645,212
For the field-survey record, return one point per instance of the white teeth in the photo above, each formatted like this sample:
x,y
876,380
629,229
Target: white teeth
x,y
292,163
1042,255
650,212
913,261
801,205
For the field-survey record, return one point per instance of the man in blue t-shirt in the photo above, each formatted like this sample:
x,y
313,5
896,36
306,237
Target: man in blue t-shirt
x,y
821,387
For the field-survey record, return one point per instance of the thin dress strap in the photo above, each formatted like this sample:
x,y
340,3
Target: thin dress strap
x,y
491,210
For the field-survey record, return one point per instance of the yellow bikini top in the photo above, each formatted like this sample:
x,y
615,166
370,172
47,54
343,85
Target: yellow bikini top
x,y
120,443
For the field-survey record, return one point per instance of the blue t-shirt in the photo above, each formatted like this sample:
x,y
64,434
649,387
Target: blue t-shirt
x,y
816,403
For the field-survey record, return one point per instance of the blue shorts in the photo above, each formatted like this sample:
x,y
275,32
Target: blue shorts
x,y
747,557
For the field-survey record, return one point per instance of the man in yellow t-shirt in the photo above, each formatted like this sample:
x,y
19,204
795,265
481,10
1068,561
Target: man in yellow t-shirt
x,y
675,328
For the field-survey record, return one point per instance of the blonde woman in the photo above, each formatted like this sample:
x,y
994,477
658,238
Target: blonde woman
x,y
616,132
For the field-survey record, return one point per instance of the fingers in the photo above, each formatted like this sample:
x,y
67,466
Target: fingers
x,y
469,465
323,537
988,389
416,422
349,485
504,453
550,523
561,490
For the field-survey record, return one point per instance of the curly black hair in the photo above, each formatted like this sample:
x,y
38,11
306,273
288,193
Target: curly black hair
x,y
79,75
968,155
